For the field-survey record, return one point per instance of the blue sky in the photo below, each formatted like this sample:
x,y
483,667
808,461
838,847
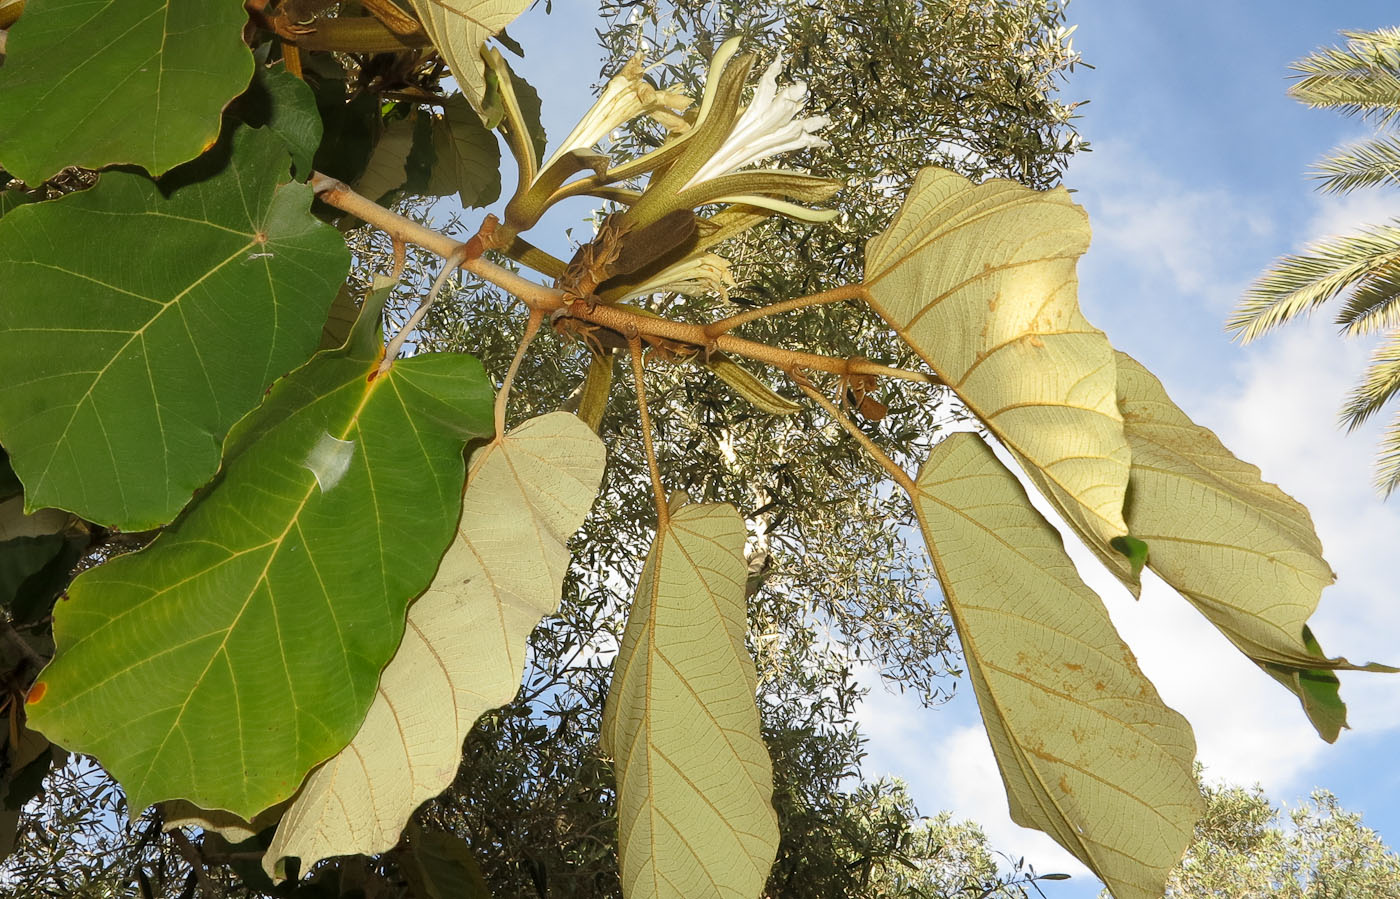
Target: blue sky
x,y
1195,183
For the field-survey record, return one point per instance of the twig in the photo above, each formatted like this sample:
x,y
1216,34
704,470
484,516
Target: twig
x,y
663,512
835,295
191,854
392,351
900,476
25,650
617,318
531,328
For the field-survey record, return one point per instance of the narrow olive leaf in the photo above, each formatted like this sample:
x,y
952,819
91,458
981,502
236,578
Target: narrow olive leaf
x,y
125,360
468,156
1240,550
141,81
597,384
980,281
243,646
459,28
1087,750
464,649
694,781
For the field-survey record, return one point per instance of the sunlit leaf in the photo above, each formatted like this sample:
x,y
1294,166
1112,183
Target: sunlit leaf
x,y
1088,752
459,28
694,781
136,81
1239,549
138,326
980,281
243,646
464,649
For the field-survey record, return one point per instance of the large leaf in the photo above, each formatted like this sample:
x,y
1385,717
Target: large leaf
x,y
243,646
136,81
980,281
441,865
387,166
1239,549
468,156
464,649
1087,750
124,361
286,106
694,781
459,28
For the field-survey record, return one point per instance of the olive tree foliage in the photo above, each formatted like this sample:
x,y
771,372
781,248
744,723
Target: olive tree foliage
x,y
355,508
1247,846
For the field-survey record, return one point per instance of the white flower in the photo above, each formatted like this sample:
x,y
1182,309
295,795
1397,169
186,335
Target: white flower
x,y
626,96
767,127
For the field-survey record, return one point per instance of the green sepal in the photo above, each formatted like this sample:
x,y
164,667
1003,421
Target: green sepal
x,y
1134,550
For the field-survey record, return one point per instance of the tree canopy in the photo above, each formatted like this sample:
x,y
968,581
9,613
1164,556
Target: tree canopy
x,y
292,478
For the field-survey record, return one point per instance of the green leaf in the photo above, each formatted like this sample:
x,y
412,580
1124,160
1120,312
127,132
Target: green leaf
x,y
349,128
9,483
464,649
468,156
124,360
528,99
10,199
286,106
1132,549
387,166
243,646
1240,550
34,571
980,281
440,865
1087,750
694,781
459,28
136,81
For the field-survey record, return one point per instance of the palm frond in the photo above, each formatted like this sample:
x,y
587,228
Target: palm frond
x,y
1388,459
1378,385
1369,163
1375,303
1362,78
1299,283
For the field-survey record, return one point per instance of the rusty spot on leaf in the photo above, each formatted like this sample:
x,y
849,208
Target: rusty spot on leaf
x,y
37,692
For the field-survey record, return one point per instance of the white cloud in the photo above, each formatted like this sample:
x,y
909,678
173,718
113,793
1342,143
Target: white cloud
x,y
1161,225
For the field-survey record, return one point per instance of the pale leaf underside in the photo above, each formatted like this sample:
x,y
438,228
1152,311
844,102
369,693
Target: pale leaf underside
x,y
1237,548
980,281
464,648
1088,751
458,29
695,784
